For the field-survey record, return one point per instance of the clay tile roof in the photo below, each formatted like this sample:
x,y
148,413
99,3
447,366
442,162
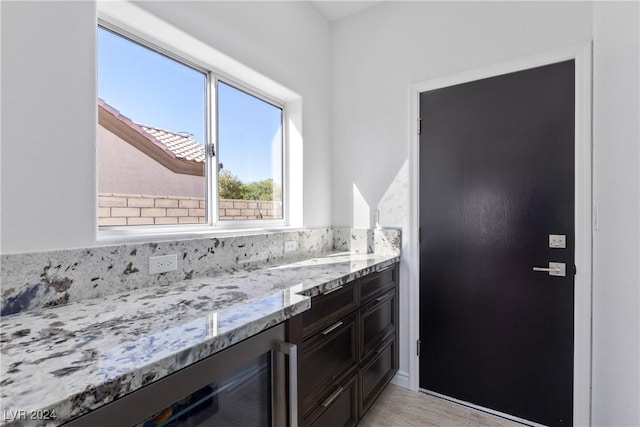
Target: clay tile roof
x,y
180,144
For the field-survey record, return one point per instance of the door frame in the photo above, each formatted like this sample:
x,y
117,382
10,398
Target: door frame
x,y
582,55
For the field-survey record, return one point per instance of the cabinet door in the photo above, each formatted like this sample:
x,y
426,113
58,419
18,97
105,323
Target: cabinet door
x,y
377,321
338,409
378,283
328,308
376,374
326,356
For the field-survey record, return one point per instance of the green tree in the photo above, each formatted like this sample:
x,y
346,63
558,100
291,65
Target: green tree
x,y
260,190
230,187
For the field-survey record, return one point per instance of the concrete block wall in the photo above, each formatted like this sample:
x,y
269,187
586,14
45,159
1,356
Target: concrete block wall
x,y
249,209
136,209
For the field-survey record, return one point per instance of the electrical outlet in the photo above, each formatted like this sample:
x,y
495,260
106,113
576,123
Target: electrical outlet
x,y
162,264
290,246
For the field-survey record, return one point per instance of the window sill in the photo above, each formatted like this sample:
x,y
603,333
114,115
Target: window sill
x,y
122,235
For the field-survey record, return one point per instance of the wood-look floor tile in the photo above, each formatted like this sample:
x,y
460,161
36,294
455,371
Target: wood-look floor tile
x,y
482,419
399,407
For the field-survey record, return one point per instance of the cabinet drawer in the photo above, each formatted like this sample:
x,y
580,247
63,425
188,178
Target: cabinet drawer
x,y
326,356
376,283
339,408
377,321
328,308
376,374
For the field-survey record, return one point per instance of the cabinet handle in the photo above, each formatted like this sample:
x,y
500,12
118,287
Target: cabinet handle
x,y
384,297
333,397
331,328
383,347
291,350
332,290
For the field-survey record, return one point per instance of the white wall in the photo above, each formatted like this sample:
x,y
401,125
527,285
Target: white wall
x,y
378,53
49,104
289,42
616,245
48,125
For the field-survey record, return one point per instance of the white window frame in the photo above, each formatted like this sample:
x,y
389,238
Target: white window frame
x,y
131,22
251,223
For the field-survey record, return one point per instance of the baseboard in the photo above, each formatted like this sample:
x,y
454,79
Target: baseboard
x,y
401,379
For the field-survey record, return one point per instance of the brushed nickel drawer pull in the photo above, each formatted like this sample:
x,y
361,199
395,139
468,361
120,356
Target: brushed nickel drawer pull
x,y
333,397
384,297
332,290
383,347
331,328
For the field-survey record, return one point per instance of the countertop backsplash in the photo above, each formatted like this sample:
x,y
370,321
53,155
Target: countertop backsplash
x,y
46,279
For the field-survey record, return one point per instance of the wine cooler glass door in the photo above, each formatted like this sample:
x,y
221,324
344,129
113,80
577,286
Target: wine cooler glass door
x,y
241,399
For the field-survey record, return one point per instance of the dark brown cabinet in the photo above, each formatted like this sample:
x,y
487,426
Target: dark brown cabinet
x,y
348,349
326,356
338,408
376,373
329,307
377,321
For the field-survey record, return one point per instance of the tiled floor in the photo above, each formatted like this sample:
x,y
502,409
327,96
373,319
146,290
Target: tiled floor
x,y
399,407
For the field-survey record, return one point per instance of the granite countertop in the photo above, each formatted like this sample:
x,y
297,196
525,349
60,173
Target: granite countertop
x,y
75,358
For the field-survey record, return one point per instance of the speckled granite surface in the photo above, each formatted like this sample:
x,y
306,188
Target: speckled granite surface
x,y
76,357
46,279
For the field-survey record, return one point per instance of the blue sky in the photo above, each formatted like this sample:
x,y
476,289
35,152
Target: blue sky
x,y
154,90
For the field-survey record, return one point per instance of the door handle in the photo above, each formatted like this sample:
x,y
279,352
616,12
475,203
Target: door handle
x,y
554,269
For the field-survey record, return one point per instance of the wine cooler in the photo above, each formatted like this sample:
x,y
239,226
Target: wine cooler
x,y
249,384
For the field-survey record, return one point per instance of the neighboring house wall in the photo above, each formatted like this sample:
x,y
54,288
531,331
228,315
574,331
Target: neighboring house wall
x,y
135,189
122,168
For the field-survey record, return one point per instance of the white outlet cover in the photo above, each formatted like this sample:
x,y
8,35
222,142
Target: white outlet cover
x,y
163,263
291,245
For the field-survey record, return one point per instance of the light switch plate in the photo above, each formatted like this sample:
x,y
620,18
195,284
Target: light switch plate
x,y
557,241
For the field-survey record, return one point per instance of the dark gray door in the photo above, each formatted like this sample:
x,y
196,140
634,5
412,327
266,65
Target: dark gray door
x,y
496,179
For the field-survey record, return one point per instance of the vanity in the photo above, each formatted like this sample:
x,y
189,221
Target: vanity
x,y
327,325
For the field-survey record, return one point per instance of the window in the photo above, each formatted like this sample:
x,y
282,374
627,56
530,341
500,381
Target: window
x,y
180,144
250,156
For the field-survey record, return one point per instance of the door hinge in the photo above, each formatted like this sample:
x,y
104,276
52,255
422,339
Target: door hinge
x,y
419,126
418,344
212,150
